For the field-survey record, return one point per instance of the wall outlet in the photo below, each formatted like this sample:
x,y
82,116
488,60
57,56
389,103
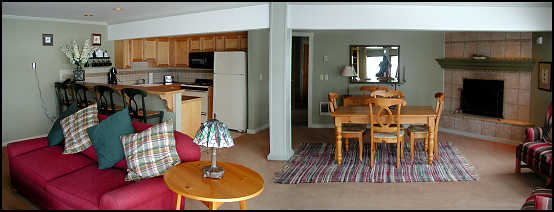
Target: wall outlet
x,y
326,76
261,76
325,59
321,77
34,65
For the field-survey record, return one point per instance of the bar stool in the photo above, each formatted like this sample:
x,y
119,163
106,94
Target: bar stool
x,y
135,111
63,98
79,93
104,100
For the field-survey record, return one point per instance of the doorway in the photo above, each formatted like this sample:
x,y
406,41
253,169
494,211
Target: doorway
x,y
300,55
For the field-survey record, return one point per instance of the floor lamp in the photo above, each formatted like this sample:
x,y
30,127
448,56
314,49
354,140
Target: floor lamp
x,y
348,71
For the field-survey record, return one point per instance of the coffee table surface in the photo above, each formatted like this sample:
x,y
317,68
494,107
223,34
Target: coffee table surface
x,y
237,184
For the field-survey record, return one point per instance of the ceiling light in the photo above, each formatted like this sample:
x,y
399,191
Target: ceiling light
x,y
87,14
117,9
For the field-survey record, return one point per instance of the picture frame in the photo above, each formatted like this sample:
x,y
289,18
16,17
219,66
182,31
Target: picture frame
x,y
47,39
545,76
96,39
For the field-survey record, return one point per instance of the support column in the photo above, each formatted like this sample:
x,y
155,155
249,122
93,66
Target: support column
x,y
280,37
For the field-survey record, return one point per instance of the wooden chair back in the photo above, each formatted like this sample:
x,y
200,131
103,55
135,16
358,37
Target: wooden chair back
x,y
104,99
62,94
388,94
333,101
384,113
80,94
370,89
133,107
439,97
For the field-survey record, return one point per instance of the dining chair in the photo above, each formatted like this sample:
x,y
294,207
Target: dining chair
x,y
348,130
387,94
370,89
422,131
139,111
64,99
104,100
385,127
79,93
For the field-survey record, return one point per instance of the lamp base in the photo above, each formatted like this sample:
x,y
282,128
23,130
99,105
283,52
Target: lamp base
x,y
212,172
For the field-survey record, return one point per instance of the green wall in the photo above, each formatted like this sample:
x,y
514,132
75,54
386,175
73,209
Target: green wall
x,y
258,89
540,99
418,51
22,114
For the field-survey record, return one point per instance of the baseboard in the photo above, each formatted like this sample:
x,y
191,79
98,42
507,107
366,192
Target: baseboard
x,y
257,130
4,143
483,137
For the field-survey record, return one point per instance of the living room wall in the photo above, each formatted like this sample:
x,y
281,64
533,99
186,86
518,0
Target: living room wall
x,y
418,51
22,112
258,87
540,99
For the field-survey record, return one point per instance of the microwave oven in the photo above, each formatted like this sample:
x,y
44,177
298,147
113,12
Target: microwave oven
x,y
201,60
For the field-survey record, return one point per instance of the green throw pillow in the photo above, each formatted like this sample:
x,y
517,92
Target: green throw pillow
x,y
106,138
55,136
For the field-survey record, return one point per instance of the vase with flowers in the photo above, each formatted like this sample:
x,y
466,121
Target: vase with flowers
x,y
78,57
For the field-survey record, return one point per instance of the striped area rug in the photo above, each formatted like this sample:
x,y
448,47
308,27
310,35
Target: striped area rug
x,y
315,163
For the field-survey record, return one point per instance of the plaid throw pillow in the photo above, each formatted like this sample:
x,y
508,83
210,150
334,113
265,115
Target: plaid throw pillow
x,y
151,152
74,129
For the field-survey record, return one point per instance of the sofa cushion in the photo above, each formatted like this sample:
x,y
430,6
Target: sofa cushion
x,y
48,163
83,188
151,152
106,139
537,156
74,129
55,136
20,147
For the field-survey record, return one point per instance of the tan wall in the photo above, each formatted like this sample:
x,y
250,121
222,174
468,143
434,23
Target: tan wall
x,y
540,99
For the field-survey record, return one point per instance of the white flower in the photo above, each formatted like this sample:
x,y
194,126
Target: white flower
x,y
78,57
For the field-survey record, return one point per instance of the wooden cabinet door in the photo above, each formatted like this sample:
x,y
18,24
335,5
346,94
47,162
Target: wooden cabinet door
x,y
195,45
122,58
136,50
162,54
181,52
244,42
171,44
219,43
208,43
232,42
149,48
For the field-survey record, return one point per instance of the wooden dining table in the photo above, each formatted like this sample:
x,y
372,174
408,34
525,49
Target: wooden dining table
x,y
408,115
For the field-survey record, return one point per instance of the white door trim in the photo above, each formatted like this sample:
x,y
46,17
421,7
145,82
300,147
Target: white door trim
x,y
310,36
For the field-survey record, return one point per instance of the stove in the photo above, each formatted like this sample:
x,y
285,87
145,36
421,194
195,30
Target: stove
x,y
198,85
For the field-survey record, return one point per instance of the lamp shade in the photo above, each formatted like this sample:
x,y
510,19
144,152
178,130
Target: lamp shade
x,y
348,71
213,133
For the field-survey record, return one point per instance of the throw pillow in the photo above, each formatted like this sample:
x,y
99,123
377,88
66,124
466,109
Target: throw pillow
x,y
55,136
74,129
106,139
151,152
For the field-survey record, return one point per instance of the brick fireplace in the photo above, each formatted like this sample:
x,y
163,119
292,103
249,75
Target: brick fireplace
x,y
516,104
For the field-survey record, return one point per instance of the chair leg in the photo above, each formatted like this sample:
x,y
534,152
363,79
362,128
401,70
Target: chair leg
x,y
518,164
372,152
398,156
360,146
161,116
412,145
346,144
401,147
426,143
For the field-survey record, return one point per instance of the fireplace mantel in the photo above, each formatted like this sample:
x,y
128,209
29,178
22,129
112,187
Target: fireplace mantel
x,y
487,64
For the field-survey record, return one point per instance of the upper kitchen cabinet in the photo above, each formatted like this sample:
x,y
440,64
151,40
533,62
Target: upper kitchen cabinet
x,y
232,42
162,53
244,42
137,50
121,54
219,43
208,43
195,44
149,49
181,52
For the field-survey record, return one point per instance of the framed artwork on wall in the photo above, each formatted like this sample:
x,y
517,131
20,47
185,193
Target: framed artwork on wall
x,y
545,76
96,39
48,39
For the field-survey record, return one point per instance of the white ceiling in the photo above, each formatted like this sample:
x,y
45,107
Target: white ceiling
x,y
103,12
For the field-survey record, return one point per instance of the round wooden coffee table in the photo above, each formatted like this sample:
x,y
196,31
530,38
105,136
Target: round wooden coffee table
x,y
238,183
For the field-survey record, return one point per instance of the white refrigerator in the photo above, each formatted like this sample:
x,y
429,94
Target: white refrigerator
x,y
230,94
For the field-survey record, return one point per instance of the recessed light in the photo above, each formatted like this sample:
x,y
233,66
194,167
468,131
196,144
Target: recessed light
x,y
117,9
87,14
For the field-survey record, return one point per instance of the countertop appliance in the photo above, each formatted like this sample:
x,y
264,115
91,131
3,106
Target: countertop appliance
x,y
112,76
199,88
168,79
201,60
230,94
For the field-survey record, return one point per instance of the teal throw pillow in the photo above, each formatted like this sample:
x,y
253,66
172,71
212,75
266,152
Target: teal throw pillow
x,y
55,136
106,139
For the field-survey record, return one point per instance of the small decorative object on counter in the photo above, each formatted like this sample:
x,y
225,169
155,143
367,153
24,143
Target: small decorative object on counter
x,y
213,134
478,57
78,57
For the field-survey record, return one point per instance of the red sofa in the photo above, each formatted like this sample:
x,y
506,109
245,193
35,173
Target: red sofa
x,y
53,180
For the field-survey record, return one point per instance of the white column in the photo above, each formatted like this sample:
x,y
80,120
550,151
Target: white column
x,y
280,37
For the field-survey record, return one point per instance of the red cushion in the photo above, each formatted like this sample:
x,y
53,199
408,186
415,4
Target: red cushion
x,y
45,164
20,147
82,189
158,196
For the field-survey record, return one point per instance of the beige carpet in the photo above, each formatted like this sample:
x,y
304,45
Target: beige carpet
x,y
498,186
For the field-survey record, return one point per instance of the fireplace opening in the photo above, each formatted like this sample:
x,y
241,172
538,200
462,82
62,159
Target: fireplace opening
x,y
483,97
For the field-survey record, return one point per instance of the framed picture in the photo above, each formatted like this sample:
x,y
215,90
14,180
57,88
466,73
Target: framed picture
x,y
48,39
96,39
545,78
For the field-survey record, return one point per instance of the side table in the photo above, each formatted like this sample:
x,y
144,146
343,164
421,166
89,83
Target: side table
x,y
238,183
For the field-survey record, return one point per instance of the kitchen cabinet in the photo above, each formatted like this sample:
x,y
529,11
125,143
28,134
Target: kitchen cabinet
x,y
232,42
136,50
195,45
191,115
208,43
162,54
181,52
244,42
149,49
121,54
219,43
